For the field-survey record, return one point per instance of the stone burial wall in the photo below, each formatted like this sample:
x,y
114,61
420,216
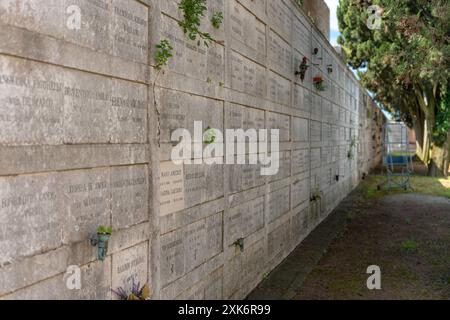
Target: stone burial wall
x,y
85,140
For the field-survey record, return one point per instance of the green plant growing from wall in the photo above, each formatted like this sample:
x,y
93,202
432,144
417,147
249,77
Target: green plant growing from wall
x,y
163,54
102,230
193,12
351,152
316,195
217,20
209,137
299,2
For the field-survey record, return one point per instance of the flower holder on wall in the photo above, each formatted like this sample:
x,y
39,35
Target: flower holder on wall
x,y
330,68
239,243
100,240
319,83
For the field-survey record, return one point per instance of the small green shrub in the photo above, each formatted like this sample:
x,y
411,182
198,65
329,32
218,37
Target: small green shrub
x,y
163,54
217,20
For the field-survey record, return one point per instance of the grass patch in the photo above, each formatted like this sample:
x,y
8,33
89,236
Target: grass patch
x,y
439,187
410,245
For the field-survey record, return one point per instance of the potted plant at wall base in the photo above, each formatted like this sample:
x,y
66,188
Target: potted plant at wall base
x,y
101,240
319,83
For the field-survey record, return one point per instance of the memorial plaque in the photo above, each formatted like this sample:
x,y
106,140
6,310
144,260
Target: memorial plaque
x,y
251,175
300,226
256,7
194,185
307,99
86,198
87,108
335,113
342,134
300,130
129,193
343,151
316,108
317,59
172,262
247,76
315,181
202,183
316,158
245,219
244,177
327,132
280,122
301,37
278,241
299,98
171,31
95,29
242,268
300,161
279,89
316,131
215,68
30,215
200,62
335,154
249,34
326,178
284,170
234,117
42,16
129,112
181,110
95,285
300,192
130,30
280,15
214,235
213,286
130,266
327,110
31,103
326,155
171,188
253,119
195,244
278,203
214,182
280,54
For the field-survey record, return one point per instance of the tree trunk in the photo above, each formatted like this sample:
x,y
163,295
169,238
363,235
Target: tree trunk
x,y
420,135
440,160
427,141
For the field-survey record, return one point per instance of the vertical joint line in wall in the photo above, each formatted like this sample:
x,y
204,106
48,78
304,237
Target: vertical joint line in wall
x,y
158,112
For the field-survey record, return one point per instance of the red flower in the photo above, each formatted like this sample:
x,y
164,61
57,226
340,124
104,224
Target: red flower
x,y
317,79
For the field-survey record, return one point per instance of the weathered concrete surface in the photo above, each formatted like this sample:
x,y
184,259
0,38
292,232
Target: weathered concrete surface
x,y
83,144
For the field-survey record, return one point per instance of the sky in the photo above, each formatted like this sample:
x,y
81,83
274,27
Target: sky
x,y
333,4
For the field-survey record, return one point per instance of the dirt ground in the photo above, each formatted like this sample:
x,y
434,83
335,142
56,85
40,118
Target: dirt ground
x,y
405,233
407,236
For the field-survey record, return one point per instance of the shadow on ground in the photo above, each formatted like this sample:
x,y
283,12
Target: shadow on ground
x,y
406,234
